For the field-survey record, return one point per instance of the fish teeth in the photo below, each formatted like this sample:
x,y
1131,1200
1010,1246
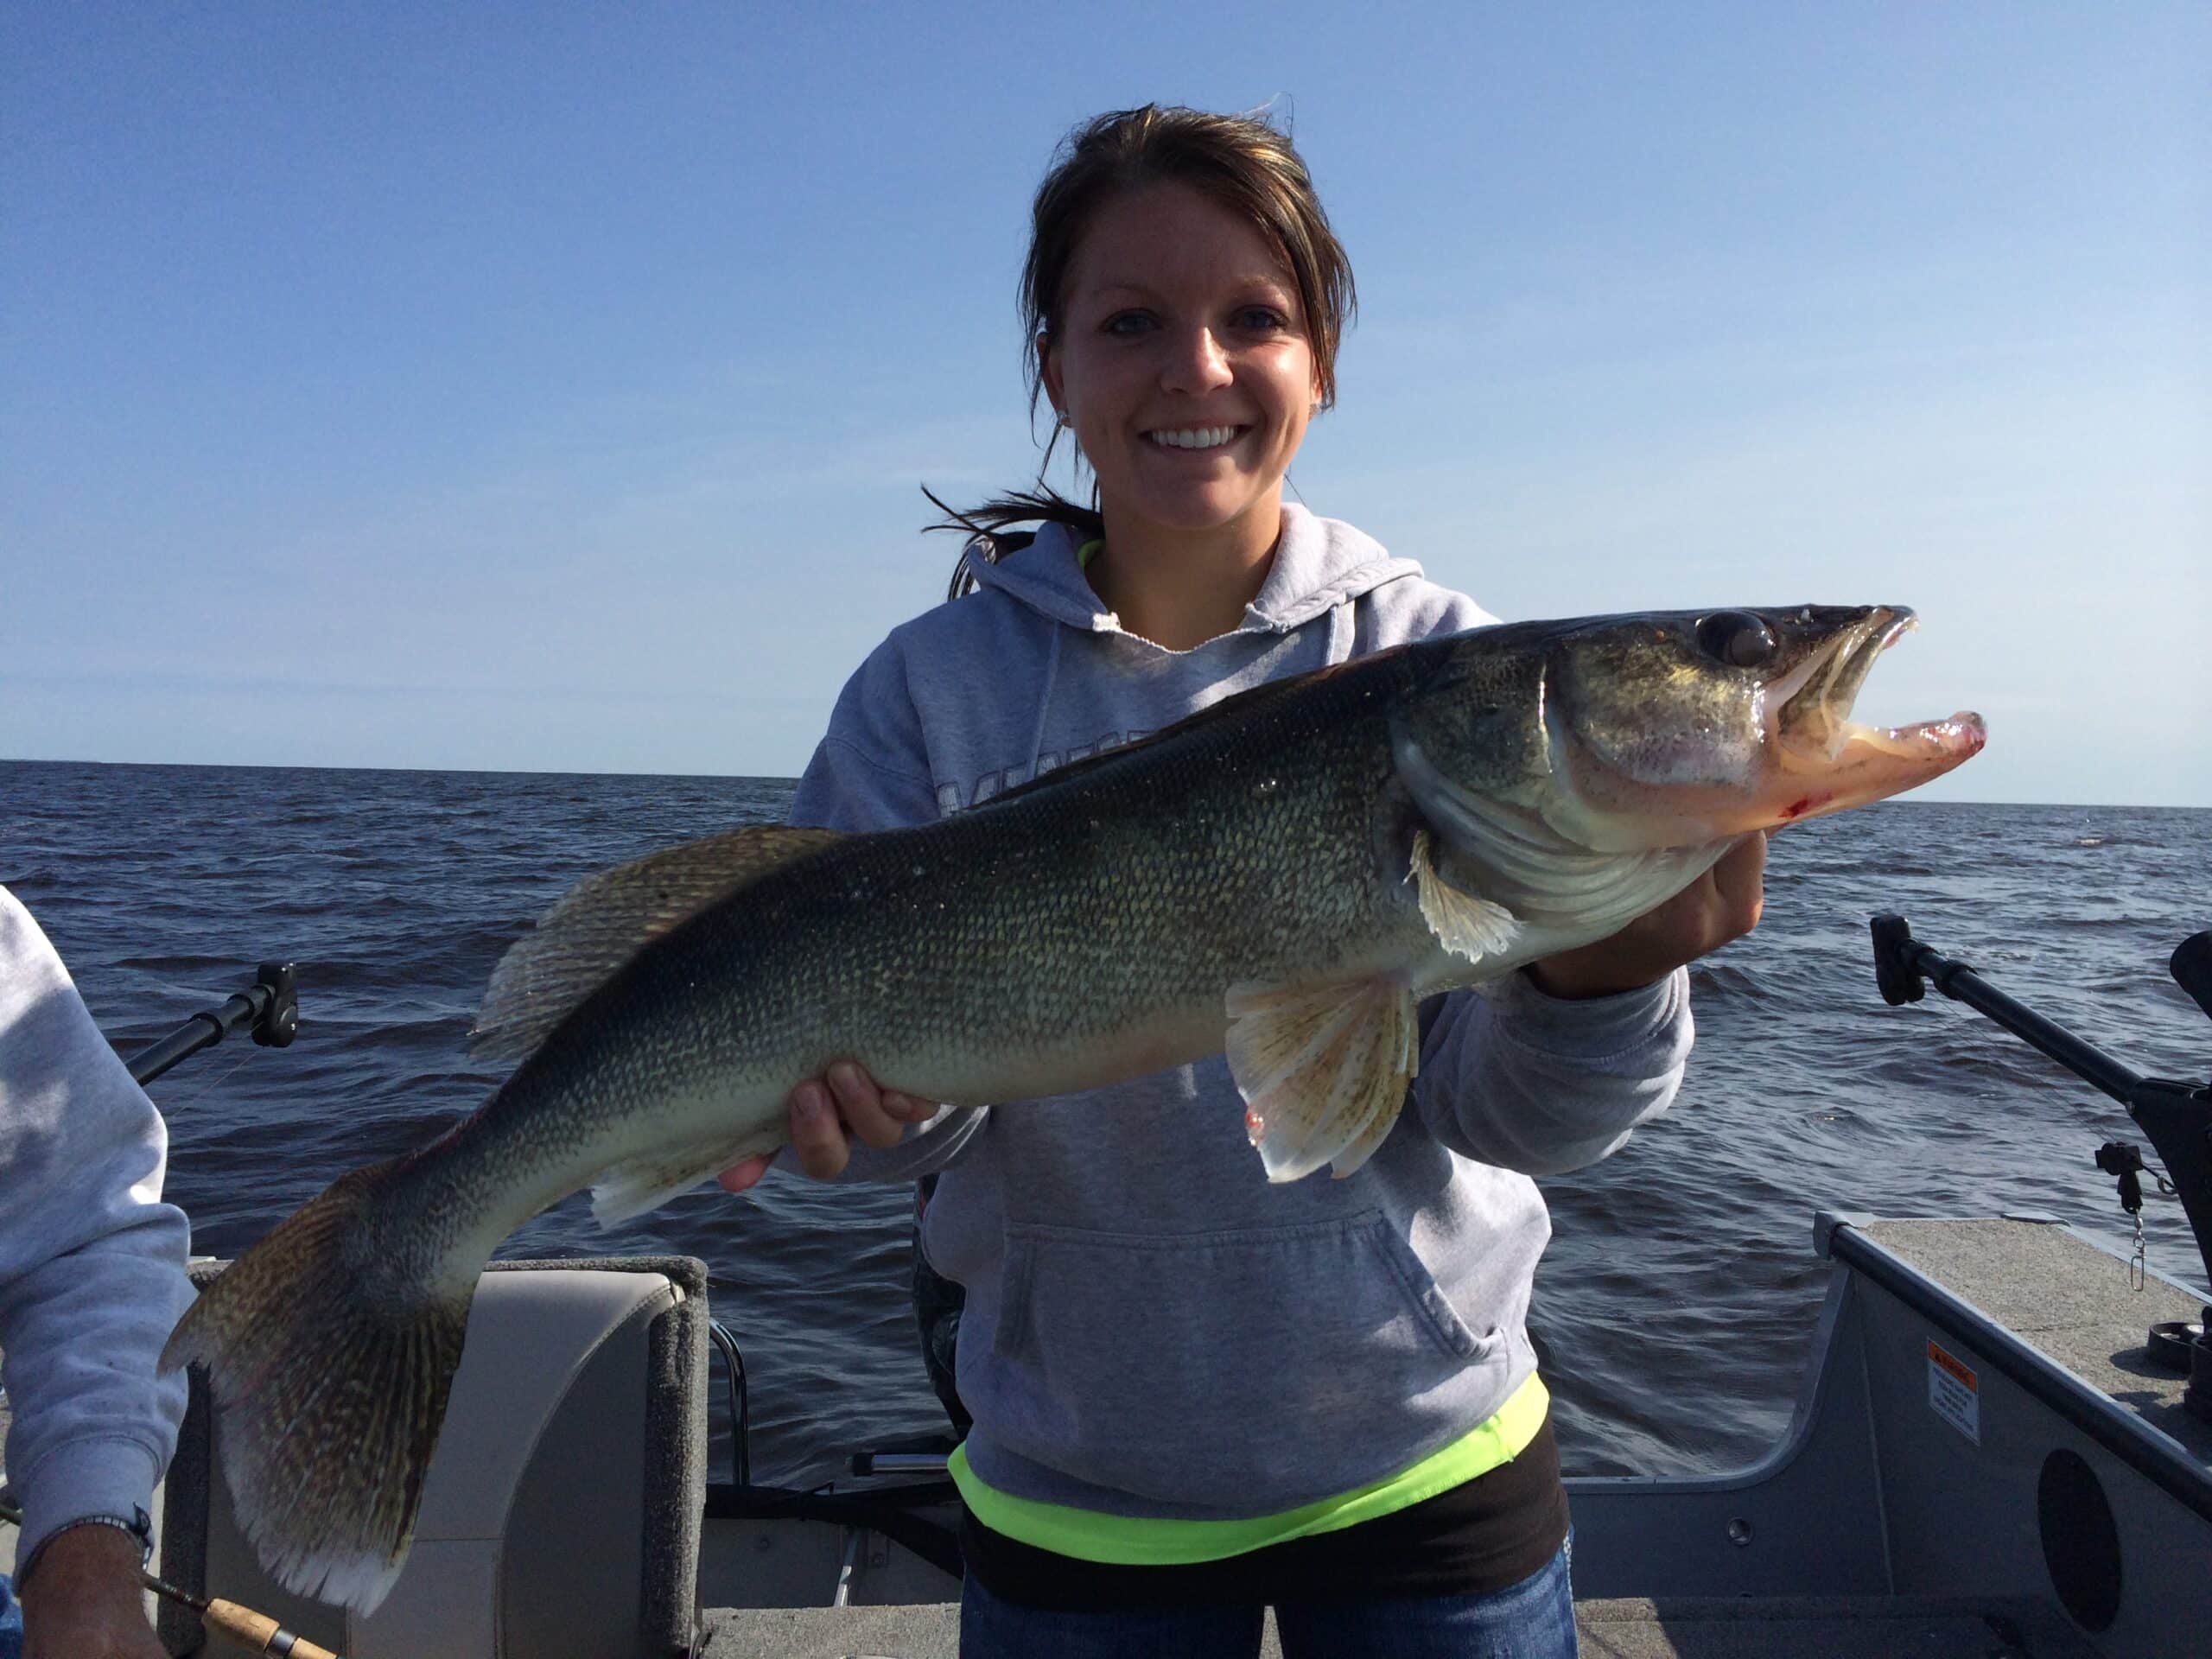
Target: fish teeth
x,y
1193,437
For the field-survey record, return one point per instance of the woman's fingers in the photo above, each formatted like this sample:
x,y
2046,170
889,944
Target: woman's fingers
x,y
818,1138
1725,904
825,1110
1739,882
738,1177
860,1102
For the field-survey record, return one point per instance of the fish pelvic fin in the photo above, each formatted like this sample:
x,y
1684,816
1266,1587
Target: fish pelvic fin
x,y
329,1363
605,919
1464,924
1323,1069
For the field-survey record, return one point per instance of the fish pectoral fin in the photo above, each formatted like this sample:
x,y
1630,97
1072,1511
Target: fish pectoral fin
x,y
603,921
1323,1069
650,1180
1465,923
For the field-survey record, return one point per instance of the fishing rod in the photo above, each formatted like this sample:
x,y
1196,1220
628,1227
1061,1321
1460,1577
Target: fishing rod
x,y
2177,1116
257,1632
270,1007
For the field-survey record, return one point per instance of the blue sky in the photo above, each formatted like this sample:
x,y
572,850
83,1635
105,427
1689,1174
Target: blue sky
x,y
548,387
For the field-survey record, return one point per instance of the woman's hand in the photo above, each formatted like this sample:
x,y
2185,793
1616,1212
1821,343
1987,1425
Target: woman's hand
x,y
823,1110
1722,905
85,1600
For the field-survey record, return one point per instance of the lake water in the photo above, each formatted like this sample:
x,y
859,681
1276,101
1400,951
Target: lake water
x,y
1675,1309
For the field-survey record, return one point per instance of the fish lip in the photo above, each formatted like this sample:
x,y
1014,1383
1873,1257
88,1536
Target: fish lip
x,y
1811,725
1808,712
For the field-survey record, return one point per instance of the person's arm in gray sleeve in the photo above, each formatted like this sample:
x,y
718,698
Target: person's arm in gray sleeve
x,y
870,771
91,1261
1527,1082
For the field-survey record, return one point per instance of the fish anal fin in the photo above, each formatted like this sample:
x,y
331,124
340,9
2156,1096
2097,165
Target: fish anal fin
x,y
647,1182
605,919
1323,1069
1465,923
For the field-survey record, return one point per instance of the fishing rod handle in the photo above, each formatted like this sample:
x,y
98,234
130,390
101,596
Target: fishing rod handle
x,y
259,1633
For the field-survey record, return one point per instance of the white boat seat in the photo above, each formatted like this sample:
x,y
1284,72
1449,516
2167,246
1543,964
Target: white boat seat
x,y
579,1407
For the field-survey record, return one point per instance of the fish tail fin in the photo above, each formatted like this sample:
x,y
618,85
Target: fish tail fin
x,y
329,1353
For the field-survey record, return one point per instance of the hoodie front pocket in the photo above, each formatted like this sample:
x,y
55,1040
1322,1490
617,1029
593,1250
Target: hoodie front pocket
x,y
1206,1368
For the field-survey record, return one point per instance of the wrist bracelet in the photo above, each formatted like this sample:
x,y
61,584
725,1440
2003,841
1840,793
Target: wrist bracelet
x,y
140,1526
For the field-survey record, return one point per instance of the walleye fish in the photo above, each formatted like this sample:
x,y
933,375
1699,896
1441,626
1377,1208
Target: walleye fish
x,y
1284,876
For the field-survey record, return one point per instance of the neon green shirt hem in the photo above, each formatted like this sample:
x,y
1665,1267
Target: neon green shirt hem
x,y
1130,1540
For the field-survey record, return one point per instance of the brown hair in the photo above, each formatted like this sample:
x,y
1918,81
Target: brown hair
x,y
1243,163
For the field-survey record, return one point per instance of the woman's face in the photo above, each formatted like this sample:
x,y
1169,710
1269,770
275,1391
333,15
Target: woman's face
x,y
1182,362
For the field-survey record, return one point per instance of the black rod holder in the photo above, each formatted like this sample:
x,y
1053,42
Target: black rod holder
x,y
1901,963
270,1007
2191,966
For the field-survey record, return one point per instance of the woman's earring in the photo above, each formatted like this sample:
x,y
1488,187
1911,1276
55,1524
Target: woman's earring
x,y
1061,416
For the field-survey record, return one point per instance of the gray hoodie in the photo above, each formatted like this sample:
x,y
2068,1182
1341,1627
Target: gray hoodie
x,y
1151,1328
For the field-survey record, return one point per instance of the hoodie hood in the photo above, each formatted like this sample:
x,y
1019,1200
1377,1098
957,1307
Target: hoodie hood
x,y
1032,671
1317,563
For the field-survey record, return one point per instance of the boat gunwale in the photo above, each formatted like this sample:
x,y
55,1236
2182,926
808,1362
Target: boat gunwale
x,y
2143,1447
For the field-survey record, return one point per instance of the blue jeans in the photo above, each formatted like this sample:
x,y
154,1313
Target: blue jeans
x,y
11,1622
1533,1619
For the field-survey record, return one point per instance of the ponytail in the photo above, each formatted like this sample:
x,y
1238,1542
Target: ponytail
x,y
983,526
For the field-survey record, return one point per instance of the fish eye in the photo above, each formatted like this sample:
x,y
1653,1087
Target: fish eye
x,y
1738,639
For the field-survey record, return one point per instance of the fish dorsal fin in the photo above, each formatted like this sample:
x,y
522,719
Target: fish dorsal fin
x,y
1465,923
605,919
1323,1069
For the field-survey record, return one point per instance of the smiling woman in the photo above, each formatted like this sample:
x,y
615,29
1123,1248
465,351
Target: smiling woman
x,y
1185,298
1196,1393
1182,363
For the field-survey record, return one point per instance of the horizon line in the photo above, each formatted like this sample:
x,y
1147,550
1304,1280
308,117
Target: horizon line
x,y
786,778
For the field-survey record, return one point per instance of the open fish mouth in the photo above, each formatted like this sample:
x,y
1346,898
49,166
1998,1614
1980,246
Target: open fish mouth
x,y
1811,731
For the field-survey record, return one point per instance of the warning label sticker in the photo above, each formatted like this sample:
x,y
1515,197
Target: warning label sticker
x,y
1952,1393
